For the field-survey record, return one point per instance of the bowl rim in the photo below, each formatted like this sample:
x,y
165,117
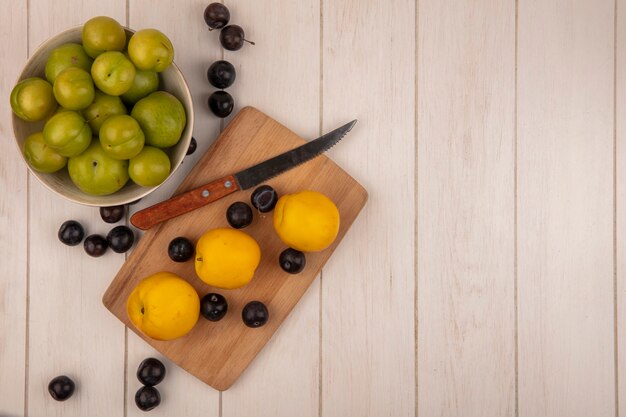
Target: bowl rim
x,y
121,201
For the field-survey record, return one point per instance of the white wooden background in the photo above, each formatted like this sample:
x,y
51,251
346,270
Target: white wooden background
x,y
485,276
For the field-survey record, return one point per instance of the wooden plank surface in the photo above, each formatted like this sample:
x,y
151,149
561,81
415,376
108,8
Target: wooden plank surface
x,y
620,201
348,348
218,352
13,223
69,331
367,304
466,285
194,48
565,208
289,363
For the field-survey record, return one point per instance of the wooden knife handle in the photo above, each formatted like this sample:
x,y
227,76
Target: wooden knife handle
x,y
184,203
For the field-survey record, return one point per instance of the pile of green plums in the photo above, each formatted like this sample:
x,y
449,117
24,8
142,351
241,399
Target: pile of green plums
x,y
104,116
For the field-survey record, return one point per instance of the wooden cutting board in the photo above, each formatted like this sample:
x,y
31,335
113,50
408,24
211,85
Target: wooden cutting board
x,y
218,352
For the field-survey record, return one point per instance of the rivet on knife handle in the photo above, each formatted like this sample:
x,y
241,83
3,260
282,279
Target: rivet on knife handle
x,y
184,203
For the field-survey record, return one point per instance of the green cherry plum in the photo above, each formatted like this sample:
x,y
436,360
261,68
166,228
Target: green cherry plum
x,y
65,56
103,107
121,137
145,83
67,133
151,50
96,173
113,73
73,88
32,99
150,168
101,34
161,117
40,156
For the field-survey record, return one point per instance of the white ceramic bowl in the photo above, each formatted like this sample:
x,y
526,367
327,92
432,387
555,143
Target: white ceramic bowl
x,y
171,80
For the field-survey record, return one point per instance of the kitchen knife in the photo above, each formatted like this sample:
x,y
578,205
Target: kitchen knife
x,y
243,180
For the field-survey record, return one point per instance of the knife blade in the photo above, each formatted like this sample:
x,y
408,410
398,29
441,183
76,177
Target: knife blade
x,y
242,180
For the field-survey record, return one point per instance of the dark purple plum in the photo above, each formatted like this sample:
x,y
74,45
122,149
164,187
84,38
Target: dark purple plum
x,y
232,37
147,398
151,371
95,245
221,103
180,249
213,307
192,146
71,233
292,261
120,239
264,198
216,16
221,74
239,215
255,314
61,388
112,214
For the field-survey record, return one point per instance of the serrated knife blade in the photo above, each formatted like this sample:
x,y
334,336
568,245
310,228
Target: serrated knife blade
x,y
242,180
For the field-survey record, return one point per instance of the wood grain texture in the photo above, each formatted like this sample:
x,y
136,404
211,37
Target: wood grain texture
x,y
320,63
368,330
283,380
70,332
219,352
620,202
13,222
466,298
565,208
195,48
